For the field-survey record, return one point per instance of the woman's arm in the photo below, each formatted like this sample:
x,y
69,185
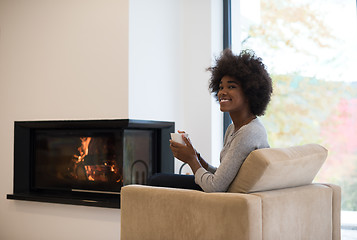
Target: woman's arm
x,y
247,139
205,164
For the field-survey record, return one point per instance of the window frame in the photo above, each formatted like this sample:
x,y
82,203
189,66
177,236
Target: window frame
x,y
227,43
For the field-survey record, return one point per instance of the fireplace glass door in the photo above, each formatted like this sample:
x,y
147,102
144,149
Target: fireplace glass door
x,y
78,160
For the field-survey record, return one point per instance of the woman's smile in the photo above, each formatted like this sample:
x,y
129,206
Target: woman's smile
x,y
224,100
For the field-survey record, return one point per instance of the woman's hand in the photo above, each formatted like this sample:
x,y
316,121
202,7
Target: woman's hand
x,y
179,131
185,153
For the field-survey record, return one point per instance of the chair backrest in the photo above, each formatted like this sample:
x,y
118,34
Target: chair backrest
x,y
276,168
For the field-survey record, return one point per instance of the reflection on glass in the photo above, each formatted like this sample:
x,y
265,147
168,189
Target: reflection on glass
x,y
138,155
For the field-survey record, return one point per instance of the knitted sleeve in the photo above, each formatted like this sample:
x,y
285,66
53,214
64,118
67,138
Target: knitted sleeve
x,y
236,148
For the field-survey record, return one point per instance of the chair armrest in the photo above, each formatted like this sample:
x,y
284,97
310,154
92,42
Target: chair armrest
x,y
306,211
336,211
167,213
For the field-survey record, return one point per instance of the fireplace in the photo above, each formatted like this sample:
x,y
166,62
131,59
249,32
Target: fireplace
x,y
87,162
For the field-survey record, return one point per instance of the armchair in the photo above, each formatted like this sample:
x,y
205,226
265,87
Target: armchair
x,y
272,197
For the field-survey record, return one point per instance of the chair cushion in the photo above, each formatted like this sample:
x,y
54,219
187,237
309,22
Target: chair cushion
x,y
275,168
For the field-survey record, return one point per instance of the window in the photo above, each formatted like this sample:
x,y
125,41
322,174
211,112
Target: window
x,y
310,50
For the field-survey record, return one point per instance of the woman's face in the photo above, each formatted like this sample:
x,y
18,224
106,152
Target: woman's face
x,y
230,96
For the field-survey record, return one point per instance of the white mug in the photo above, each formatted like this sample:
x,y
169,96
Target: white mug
x,y
177,137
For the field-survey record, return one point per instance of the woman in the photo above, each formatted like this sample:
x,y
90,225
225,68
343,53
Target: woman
x,y
243,88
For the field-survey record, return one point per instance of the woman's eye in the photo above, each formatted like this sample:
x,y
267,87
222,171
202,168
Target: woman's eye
x,y
232,87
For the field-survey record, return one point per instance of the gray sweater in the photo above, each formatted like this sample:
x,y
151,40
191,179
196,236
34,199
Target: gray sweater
x,y
236,148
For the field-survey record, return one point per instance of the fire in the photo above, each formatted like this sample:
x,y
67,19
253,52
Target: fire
x,y
85,169
83,149
89,172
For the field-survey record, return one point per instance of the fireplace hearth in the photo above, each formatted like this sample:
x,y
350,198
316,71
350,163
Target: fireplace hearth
x,y
87,162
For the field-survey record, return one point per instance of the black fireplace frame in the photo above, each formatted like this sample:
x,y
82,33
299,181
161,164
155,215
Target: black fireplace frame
x,y
23,158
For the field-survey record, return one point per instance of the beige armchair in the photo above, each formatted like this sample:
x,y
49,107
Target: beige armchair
x,y
271,198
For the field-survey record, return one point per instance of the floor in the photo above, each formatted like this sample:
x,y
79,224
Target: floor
x,y
348,234
348,225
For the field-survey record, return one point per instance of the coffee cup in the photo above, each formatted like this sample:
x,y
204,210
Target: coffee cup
x,y
177,137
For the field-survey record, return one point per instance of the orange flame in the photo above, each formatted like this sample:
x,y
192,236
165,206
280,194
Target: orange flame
x,y
97,172
83,149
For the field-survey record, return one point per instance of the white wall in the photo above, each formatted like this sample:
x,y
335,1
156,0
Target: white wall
x,y
59,60
64,59
77,59
154,58
171,45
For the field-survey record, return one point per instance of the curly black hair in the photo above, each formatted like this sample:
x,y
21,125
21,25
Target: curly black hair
x,y
247,69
